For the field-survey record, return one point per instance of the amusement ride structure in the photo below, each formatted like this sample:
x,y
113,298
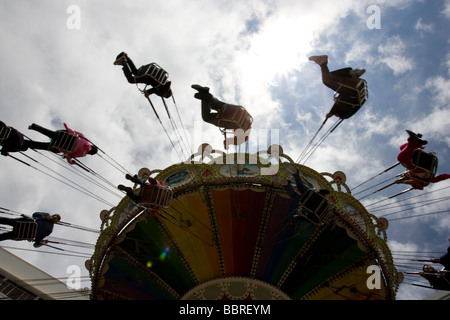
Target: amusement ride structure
x,y
224,231
232,225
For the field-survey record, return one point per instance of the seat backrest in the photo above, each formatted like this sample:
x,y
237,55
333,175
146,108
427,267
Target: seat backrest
x,y
425,161
152,74
25,230
316,206
355,95
64,141
233,117
363,91
4,133
155,195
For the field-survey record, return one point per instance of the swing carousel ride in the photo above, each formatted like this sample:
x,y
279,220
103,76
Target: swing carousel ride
x,y
222,225
231,233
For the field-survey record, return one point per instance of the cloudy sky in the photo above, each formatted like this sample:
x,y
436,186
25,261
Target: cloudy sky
x,y
57,66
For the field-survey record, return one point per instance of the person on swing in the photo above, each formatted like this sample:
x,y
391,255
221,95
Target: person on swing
x,y
416,177
211,110
45,223
348,103
11,140
130,71
82,146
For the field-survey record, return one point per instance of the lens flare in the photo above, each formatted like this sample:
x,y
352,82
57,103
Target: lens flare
x,y
163,255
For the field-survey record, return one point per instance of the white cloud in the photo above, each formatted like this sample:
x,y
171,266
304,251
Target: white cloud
x,y
360,51
423,27
446,10
436,124
403,247
243,50
392,53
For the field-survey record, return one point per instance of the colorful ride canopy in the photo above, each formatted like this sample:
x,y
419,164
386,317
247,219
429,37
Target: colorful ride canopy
x,y
232,232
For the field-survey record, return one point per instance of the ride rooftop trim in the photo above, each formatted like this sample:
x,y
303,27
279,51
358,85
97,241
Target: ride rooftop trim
x,y
231,231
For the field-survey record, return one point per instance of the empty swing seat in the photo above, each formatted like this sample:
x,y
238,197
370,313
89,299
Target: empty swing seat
x,y
155,195
315,207
25,230
234,117
152,74
64,142
425,161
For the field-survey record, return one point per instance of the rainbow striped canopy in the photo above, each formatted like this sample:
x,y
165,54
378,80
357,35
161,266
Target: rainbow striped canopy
x,y
231,231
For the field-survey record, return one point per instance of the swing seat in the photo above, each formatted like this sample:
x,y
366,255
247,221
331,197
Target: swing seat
x,y
155,195
25,230
425,161
64,142
315,206
152,74
4,134
355,96
234,117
